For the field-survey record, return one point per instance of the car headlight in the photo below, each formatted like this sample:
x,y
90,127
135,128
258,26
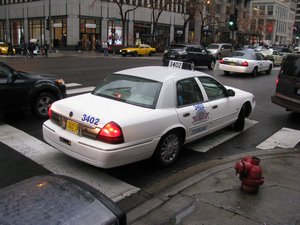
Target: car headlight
x,y
182,53
60,81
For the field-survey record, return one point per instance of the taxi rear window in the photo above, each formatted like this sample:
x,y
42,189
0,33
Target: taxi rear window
x,y
130,89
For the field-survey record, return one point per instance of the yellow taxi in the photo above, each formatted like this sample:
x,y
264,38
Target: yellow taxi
x,y
4,49
136,50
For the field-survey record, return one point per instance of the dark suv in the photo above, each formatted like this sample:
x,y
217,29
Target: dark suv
x,y
288,84
23,91
192,55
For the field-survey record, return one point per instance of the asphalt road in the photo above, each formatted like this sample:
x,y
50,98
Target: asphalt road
x,y
89,71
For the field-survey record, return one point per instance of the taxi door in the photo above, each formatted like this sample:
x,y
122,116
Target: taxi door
x,y
224,111
192,111
262,62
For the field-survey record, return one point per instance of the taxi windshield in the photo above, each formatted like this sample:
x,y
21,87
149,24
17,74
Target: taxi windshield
x,y
130,89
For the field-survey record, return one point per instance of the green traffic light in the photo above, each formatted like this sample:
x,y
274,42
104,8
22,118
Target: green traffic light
x,y
230,23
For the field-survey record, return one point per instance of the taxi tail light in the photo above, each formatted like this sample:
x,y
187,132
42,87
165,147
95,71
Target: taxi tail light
x,y
111,133
50,112
222,61
277,81
245,63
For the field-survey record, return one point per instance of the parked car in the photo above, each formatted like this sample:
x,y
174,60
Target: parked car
x,y
5,49
194,55
273,55
287,93
24,91
220,50
249,62
136,50
144,112
283,50
57,199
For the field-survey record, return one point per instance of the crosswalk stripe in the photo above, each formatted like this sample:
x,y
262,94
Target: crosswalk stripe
x,y
205,144
284,138
59,163
80,90
72,85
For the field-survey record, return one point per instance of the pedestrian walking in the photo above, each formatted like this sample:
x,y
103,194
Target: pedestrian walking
x,y
105,48
46,49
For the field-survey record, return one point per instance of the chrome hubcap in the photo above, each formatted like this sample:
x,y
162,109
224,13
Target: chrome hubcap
x,y
170,148
43,105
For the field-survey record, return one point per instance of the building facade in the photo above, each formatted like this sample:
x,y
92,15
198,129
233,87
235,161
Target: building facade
x,y
274,19
65,23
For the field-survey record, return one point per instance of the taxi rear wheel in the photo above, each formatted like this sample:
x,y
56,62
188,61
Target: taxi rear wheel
x,y
212,64
41,104
168,148
269,70
254,72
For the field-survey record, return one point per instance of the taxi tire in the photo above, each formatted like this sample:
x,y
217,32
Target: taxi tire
x,y
240,122
41,103
269,70
254,72
170,138
192,65
212,64
226,73
135,54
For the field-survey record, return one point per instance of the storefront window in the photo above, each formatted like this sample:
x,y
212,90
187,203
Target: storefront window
x,y
59,32
36,30
3,30
90,33
115,32
142,33
17,31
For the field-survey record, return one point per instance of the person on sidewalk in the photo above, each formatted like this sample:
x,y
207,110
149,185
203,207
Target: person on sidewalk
x,y
46,49
105,48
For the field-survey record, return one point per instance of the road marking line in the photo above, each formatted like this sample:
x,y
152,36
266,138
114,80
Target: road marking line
x,y
80,90
215,139
284,138
72,85
59,163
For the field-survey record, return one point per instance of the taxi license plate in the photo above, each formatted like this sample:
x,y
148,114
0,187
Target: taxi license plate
x,y
232,64
72,126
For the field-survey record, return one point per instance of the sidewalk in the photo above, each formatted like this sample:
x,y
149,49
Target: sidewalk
x,y
212,196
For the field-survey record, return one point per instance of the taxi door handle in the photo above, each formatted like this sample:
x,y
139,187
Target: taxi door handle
x,y
186,115
215,106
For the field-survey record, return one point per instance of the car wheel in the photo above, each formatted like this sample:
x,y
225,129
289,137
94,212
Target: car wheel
x,y
124,54
240,122
226,73
151,53
41,104
168,149
254,72
192,65
135,54
212,64
269,70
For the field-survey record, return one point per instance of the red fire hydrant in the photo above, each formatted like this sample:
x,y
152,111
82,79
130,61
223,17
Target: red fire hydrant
x,y
250,174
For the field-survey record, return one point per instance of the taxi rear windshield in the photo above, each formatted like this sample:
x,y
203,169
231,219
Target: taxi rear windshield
x,y
130,89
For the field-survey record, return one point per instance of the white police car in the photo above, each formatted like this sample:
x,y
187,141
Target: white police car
x,y
142,112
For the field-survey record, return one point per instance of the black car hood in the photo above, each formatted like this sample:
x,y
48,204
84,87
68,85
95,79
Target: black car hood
x,y
36,76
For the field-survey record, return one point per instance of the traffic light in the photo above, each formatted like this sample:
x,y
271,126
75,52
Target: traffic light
x,y
47,24
232,23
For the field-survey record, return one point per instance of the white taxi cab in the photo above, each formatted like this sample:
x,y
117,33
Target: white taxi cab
x,y
144,112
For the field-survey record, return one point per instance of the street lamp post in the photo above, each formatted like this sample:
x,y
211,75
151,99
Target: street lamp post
x,y
50,28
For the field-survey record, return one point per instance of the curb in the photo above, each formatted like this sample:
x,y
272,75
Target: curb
x,y
169,205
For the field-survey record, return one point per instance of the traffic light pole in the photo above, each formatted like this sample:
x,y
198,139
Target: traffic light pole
x,y
50,28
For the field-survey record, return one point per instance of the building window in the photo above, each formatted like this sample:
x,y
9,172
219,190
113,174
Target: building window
x,y
89,32
115,32
17,32
254,10
59,34
3,36
262,9
253,25
270,10
36,30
